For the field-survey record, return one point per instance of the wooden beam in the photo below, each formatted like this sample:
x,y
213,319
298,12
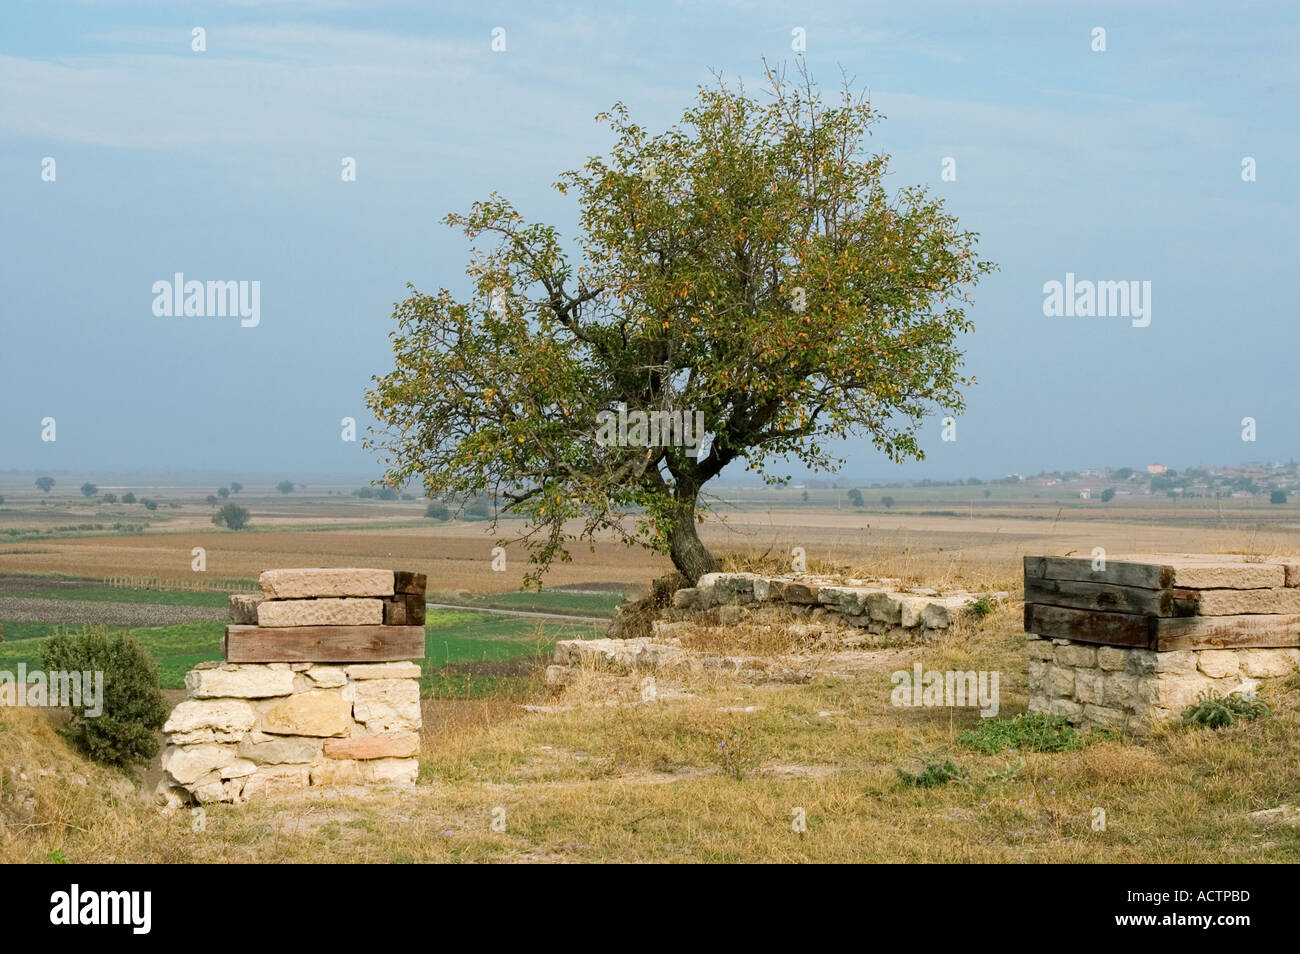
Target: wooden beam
x,y
256,644
1110,598
1088,626
1276,631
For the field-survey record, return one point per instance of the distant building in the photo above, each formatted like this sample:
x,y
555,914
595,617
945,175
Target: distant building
x,y
1085,494
1156,469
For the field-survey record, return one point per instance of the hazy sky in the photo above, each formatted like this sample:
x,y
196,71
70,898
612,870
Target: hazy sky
x,y
225,165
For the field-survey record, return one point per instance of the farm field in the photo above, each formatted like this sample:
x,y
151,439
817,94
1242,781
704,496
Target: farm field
x,y
712,770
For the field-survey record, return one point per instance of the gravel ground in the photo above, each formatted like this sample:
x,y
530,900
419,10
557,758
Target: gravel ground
x,y
22,609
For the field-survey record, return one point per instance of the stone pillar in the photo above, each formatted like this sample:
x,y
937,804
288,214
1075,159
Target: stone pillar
x,y
252,728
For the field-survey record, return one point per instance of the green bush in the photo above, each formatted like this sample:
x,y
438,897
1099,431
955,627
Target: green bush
x,y
133,706
933,775
1029,731
1216,712
437,511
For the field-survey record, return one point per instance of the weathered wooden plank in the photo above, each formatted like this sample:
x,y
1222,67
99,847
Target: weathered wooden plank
x,y
406,609
408,582
1148,576
1159,571
257,644
1278,631
1088,626
1110,598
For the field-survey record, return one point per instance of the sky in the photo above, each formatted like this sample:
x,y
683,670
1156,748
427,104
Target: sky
x,y
224,164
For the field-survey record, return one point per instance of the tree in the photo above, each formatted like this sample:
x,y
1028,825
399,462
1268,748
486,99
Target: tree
x,y
223,492
236,486
437,511
128,498
89,490
148,504
231,516
108,499
1277,497
887,500
211,500
747,266
365,493
1124,473
45,484
1107,495
386,493
855,497
2,498
285,486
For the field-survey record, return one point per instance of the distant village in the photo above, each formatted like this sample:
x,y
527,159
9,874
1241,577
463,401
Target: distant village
x,y
1273,481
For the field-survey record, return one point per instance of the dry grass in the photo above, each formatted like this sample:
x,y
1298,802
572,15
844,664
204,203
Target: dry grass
x,y
719,770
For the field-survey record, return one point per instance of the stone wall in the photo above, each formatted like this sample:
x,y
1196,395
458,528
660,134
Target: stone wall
x,y
318,689
878,606
1129,690
261,728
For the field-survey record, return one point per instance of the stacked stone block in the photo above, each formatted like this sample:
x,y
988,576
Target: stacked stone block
x,y
879,606
349,715
1127,642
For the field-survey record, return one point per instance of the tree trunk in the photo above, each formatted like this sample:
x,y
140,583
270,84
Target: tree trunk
x,y
690,556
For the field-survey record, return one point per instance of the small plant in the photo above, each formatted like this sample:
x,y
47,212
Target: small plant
x,y
1213,711
933,775
132,706
980,607
1029,731
56,857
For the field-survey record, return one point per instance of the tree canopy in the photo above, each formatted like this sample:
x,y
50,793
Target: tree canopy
x,y
746,269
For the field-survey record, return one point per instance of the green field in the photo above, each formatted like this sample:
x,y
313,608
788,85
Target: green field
x,y
116,594
547,601
468,655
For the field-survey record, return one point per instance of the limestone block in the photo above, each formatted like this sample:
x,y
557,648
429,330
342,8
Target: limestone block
x,y
386,670
1218,663
1105,717
327,677
187,764
1119,689
391,771
1040,648
1241,602
400,746
301,583
1088,686
318,712
910,610
1076,655
244,682
1141,662
1112,658
279,751
886,608
1067,708
321,612
337,772
1265,663
276,779
223,720
1182,661
1060,681
238,769
941,612
387,705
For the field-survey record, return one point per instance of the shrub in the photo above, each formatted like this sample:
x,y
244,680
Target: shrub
x,y
109,498
932,776
133,706
1031,731
437,511
88,489
231,516
855,497
128,498
285,486
148,504
1212,711
1277,497
1108,495
887,500
980,607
